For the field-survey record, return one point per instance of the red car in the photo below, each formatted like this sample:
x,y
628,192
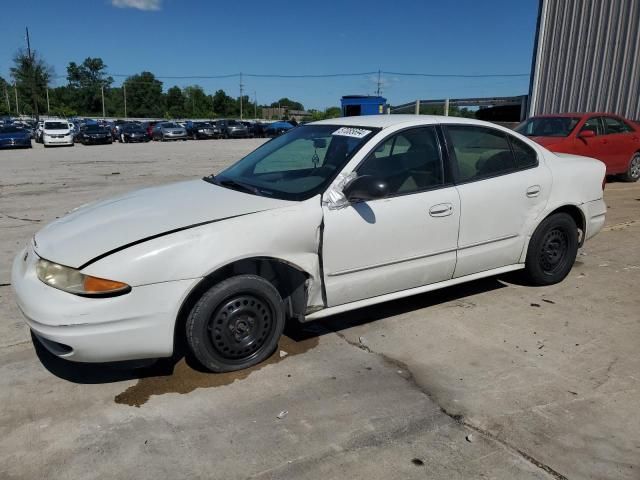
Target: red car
x,y
610,138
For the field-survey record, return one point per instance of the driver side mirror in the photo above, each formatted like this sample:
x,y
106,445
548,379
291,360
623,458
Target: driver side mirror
x,y
366,188
587,134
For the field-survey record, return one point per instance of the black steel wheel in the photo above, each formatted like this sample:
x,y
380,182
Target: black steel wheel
x,y
236,324
552,250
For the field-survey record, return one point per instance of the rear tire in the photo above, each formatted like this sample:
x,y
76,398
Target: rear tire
x,y
236,324
552,250
633,172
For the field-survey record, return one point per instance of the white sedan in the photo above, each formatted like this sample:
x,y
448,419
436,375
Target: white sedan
x,y
332,216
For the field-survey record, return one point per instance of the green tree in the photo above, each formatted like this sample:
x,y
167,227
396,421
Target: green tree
x,y
196,102
5,103
144,96
175,103
87,81
287,103
31,75
223,104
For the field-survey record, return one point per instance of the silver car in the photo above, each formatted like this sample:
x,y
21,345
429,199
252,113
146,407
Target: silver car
x,y
164,131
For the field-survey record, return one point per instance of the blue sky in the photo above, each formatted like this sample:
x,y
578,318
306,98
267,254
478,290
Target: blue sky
x,y
189,37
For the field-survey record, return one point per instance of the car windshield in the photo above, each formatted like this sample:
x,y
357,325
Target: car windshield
x,y
201,124
548,126
133,128
94,129
56,126
233,122
297,165
170,125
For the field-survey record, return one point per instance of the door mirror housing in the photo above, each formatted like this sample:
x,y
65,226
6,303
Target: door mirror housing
x,y
366,187
587,134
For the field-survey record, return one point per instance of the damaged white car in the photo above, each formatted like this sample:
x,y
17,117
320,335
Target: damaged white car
x,y
332,216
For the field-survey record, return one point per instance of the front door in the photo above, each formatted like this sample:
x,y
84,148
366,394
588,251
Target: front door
x,y
405,240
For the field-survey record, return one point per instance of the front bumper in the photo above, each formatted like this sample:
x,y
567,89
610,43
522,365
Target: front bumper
x,y
66,140
97,140
137,325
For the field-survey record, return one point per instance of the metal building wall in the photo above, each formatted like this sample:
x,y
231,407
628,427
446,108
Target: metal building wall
x,y
587,57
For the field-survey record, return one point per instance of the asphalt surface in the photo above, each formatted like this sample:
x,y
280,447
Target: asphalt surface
x,y
490,379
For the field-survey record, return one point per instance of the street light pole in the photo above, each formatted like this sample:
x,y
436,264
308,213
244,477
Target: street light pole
x,y
124,88
48,107
15,88
241,86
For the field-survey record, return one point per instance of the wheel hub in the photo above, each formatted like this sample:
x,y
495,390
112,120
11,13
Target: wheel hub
x,y
554,249
635,167
240,326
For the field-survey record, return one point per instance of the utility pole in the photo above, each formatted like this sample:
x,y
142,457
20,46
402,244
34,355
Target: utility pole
x,y
102,91
241,87
255,105
32,78
48,107
379,83
124,89
15,89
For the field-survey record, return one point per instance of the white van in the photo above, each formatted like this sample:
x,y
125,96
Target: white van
x,y
57,132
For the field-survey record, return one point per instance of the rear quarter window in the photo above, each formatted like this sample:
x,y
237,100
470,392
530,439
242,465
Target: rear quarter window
x,y
524,155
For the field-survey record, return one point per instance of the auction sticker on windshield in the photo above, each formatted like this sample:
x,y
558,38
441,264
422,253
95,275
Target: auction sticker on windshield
x,y
352,132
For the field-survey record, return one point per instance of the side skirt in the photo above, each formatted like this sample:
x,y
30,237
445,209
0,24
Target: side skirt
x,y
345,307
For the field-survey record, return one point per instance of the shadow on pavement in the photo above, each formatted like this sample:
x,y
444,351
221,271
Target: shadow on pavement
x,y
297,338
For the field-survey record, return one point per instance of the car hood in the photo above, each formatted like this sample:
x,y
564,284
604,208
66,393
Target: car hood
x,y
101,227
14,135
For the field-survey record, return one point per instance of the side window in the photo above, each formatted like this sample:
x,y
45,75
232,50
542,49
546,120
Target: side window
x,y
524,155
613,125
593,124
480,152
408,161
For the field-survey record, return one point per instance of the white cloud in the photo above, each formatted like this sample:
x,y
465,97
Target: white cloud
x,y
138,4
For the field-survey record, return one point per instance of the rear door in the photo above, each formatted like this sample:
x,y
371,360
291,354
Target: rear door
x,y
623,142
502,187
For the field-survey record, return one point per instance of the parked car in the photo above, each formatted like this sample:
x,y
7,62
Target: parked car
x,y
148,126
255,129
57,132
331,216
607,137
277,128
198,130
12,136
94,134
232,129
164,131
133,132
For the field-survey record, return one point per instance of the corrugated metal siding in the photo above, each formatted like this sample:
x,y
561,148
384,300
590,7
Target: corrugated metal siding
x,y
587,57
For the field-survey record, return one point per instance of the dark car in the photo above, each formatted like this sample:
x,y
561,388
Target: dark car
x,y
12,136
133,132
232,129
94,134
276,129
256,129
148,126
198,130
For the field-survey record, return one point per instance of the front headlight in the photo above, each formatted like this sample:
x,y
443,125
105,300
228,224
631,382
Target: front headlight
x,y
72,281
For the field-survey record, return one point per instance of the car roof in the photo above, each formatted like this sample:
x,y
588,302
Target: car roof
x,y
578,115
386,121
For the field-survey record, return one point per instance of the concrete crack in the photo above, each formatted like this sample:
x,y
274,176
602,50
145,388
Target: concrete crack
x,y
456,417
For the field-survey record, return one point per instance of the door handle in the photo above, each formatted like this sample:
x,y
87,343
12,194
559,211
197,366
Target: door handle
x,y
533,191
441,210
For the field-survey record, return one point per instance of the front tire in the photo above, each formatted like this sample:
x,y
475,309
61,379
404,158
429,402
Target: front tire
x,y
236,324
633,172
552,250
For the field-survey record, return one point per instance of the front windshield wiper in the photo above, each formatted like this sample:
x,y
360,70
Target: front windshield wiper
x,y
235,185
